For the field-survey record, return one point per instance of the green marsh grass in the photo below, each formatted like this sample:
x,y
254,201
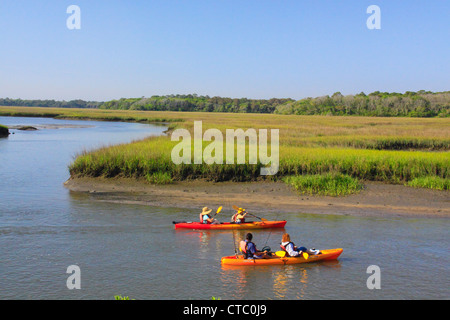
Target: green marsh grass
x,y
329,184
153,155
159,178
392,150
430,182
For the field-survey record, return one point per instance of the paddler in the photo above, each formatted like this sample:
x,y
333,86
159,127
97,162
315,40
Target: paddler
x,y
206,218
239,216
291,248
248,248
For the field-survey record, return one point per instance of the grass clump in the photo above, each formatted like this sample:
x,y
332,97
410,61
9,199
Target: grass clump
x,y
159,178
330,184
430,182
119,297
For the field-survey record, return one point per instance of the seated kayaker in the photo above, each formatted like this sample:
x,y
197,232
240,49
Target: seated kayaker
x,y
248,248
239,216
206,218
291,249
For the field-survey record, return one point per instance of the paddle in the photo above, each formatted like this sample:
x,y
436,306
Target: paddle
x,y
237,209
218,210
176,222
280,253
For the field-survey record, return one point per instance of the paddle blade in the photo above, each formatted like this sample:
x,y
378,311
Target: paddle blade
x,y
235,208
305,255
219,209
280,254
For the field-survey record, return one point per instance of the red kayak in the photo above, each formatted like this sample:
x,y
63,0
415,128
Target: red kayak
x,y
230,225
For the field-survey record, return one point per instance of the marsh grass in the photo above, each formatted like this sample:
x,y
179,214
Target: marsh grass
x,y
151,159
392,150
430,182
309,131
329,184
159,178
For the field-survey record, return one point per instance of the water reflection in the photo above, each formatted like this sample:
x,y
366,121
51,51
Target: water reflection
x,y
285,282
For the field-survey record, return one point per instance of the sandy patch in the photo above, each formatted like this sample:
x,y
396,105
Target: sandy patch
x,y
377,199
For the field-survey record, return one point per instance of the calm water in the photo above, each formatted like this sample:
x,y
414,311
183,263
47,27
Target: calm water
x,y
133,249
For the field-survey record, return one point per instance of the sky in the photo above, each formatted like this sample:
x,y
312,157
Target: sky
x,y
257,49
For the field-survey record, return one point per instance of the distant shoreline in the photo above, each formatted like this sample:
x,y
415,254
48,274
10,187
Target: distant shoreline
x,y
376,200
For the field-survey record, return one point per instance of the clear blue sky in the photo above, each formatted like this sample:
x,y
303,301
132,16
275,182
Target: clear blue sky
x,y
246,48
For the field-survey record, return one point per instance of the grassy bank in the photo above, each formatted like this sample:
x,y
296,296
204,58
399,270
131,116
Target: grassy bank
x,y
152,158
4,131
391,150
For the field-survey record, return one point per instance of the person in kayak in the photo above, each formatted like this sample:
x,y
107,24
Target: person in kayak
x,y
292,250
248,248
206,218
239,216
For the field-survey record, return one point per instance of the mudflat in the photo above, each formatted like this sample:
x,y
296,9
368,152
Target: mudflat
x,y
377,199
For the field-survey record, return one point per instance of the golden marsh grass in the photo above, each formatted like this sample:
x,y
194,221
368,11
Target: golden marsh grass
x,y
393,150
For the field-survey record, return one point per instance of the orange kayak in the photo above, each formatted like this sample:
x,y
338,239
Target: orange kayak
x,y
329,254
229,225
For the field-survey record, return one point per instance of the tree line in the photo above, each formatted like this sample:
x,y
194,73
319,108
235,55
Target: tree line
x,y
409,104
382,104
197,103
50,103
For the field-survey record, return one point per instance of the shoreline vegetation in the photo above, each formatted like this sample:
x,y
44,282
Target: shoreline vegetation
x,y
379,104
321,151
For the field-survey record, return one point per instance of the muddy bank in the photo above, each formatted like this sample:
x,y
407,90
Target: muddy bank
x,y
377,199
48,126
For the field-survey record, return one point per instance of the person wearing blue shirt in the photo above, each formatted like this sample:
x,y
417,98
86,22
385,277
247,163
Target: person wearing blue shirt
x,y
206,218
248,248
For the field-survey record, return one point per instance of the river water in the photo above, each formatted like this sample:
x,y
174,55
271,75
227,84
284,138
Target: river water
x,y
133,250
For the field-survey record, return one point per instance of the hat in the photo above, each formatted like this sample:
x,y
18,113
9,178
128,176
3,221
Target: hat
x,y
206,210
